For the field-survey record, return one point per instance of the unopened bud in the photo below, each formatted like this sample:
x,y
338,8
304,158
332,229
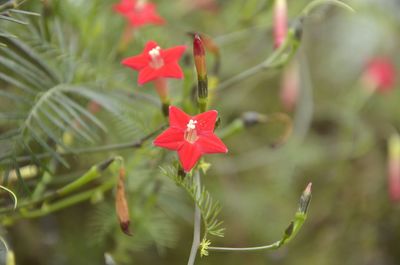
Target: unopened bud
x,y
121,204
200,63
289,229
280,22
290,86
394,167
252,118
305,199
105,164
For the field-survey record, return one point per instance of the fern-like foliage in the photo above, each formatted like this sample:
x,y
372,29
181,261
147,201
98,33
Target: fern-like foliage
x,y
209,208
9,12
43,106
44,95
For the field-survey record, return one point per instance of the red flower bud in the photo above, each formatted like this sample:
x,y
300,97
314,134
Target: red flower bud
x,y
199,55
290,86
280,22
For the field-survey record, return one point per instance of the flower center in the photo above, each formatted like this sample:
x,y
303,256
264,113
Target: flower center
x,y
191,133
140,5
156,60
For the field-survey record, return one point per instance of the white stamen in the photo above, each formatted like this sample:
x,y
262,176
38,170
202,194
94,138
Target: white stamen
x,y
191,133
191,125
156,59
155,52
140,4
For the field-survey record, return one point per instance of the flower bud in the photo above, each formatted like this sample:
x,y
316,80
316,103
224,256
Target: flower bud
x,y
200,63
290,85
121,205
394,167
252,118
305,199
280,22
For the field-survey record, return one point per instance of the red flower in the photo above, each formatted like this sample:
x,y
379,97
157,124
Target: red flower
x,y
155,62
380,74
191,136
139,13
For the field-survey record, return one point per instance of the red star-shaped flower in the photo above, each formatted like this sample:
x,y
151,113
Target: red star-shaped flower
x,y
155,62
139,12
190,136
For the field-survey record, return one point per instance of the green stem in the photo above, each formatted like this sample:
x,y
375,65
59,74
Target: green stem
x,y
93,173
275,60
197,222
75,199
271,246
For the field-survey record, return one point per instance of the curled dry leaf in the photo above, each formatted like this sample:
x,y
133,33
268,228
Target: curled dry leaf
x,y
121,204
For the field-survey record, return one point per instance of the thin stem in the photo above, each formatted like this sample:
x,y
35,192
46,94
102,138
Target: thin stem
x,y
271,62
67,202
111,147
271,246
197,223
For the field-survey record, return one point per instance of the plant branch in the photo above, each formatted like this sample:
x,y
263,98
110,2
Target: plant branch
x,y
290,232
135,144
278,58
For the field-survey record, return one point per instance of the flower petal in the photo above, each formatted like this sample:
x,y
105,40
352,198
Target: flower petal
x,y
171,70
136,62
211,144
124,6
147,74
171,138
206,121
178,118
189,154
173,54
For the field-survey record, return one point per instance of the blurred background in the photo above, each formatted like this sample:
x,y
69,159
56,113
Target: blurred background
x,y
339,91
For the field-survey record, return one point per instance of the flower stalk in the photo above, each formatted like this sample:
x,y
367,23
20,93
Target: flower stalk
x,y
197,223
162,91
289,233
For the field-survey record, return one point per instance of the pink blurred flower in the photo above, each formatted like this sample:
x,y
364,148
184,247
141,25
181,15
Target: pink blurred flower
x,y
139,12
394,167
290,86
379,74
280,22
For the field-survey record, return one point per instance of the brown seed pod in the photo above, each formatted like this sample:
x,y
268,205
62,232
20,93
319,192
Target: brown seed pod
x,y
121,205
